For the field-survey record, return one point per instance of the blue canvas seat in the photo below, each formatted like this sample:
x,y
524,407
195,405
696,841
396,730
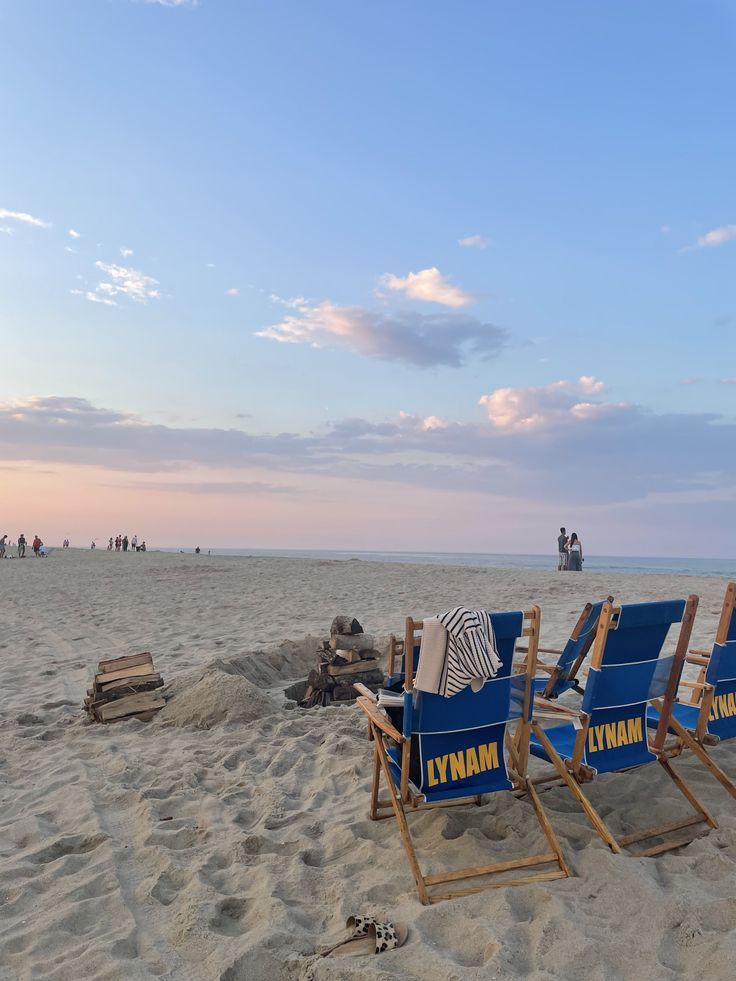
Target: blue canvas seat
x,y
459,749
563,676
610,733
709,715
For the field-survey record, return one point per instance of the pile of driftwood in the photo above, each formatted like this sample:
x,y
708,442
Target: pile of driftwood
x,y
347,658
125,688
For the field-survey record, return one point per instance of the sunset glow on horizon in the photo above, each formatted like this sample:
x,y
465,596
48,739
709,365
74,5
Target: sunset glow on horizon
x,y
355,278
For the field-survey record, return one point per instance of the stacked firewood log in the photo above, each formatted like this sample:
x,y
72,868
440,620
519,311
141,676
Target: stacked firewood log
x,y
348,657
125,688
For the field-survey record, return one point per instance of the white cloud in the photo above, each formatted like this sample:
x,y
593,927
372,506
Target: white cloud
x,y
73,233
96,298
291,302
559,403
717,236
728,381
430,285
473,242
233,291
23,217
174,3
6,230
423,423
420,339
125,281
125,252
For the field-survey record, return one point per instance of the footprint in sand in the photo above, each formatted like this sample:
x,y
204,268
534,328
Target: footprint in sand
x,y
67,845
229,915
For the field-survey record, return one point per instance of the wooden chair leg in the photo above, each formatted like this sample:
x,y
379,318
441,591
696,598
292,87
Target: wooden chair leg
x,y
376,782
704,757
593,816
401,818
547,828
686,792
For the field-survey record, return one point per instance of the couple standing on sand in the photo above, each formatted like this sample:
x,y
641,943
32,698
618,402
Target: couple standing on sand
x,y
569,552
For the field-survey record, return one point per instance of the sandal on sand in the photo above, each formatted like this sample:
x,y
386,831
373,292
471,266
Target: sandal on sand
x,y
367,936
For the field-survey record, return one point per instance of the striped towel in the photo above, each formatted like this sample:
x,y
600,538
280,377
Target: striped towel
x,y
472,657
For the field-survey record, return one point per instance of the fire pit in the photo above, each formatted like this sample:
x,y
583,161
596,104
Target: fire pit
x,y
347,658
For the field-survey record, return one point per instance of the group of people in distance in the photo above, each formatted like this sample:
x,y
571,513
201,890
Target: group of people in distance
x,y
122,543
569,552
39,549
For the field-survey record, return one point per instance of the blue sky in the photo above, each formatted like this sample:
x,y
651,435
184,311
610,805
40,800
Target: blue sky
x,y
248,179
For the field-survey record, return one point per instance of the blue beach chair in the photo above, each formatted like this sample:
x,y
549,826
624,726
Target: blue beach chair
x,y
610,733
562,676
452,750
709,716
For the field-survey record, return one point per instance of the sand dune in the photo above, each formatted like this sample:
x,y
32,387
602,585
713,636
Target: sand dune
x,y
228,837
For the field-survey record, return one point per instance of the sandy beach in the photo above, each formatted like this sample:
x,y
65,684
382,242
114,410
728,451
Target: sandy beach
x,y
229,836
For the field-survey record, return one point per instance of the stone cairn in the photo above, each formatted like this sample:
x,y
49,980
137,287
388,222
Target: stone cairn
x,y
348,657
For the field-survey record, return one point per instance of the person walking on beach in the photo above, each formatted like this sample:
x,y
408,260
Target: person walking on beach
x,y
109,546
134,543
21,546
37,543
118,542
562,541
3,545
575,553
125,543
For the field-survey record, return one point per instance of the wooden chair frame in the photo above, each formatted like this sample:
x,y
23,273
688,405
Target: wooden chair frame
x,y
554,670
574,771
385,735
702,694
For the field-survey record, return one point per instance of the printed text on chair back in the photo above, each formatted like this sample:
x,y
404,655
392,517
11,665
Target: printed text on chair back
x,y
721,673
458,742
631,673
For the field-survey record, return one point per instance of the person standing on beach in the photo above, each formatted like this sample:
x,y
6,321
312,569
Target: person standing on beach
x,y
21,546
575,550
37,543
562,550
134,543
3,545
125,543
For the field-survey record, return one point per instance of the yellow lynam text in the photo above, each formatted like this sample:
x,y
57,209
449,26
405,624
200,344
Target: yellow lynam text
x,y
611,735
465,763
723,707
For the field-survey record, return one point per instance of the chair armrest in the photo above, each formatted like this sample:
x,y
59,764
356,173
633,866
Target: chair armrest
x,y
380,721
697,659
555,708
695,684
366,692
699,652
540,650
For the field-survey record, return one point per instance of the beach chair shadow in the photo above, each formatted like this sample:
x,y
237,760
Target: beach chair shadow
x,y
610,732
453,751
709,716
563,676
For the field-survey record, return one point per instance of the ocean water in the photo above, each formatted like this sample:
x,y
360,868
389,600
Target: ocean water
x,y
721,568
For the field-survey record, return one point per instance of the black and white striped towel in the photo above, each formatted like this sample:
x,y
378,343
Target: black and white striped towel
x,y
472,657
